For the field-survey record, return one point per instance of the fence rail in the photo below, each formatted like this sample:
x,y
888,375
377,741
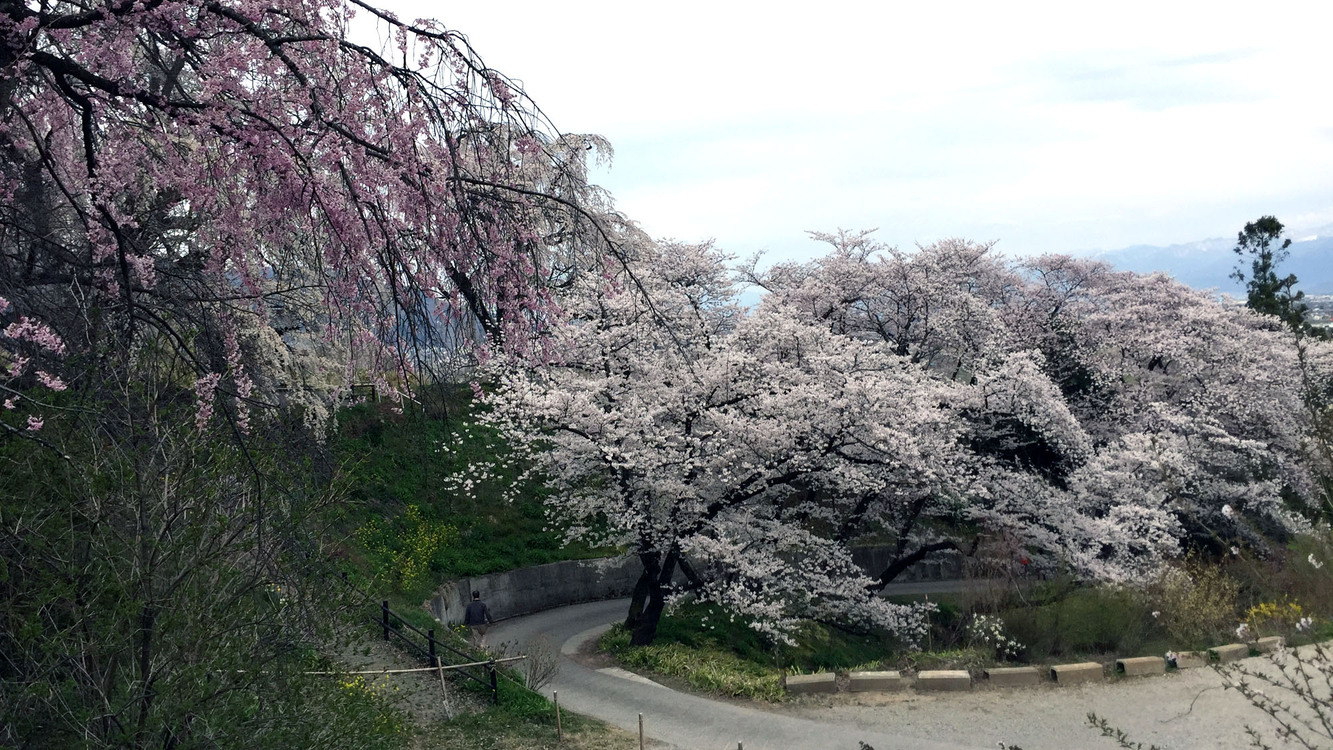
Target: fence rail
x,y
393,623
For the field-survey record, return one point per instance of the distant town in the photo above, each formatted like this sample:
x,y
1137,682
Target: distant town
x,y
1321,310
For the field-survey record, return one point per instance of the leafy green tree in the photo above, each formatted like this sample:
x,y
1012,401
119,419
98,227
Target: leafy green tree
x,y
1267,292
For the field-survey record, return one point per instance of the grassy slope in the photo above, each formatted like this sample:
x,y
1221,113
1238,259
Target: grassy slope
x,y
412,522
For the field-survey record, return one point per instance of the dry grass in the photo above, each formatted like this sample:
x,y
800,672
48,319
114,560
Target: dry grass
x,y
488,732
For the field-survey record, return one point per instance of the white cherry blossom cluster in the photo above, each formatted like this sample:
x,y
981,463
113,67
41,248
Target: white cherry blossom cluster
x,y
1096,417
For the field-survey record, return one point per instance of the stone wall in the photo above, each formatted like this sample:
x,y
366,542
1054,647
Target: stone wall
x,y
528,590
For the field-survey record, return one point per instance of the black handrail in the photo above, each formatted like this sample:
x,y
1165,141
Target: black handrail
x,y
432,643
429,638
430,651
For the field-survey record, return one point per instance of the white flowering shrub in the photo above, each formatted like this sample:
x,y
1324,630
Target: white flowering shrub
x,y
989,631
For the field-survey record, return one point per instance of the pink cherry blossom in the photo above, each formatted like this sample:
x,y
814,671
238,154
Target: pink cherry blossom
x,y
249,185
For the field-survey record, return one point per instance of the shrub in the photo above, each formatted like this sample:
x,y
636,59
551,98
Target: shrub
x,y
971,659
709,669
405,548
988,631
1274,618
1196,602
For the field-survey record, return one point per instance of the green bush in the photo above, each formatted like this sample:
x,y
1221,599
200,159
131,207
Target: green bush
x,y
971,659
709,669
1101,619
405,548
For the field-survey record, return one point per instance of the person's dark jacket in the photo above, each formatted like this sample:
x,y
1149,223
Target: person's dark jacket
x,y
477,613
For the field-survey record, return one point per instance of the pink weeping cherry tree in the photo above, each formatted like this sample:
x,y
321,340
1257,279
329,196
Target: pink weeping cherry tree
x,y
214,216
205,174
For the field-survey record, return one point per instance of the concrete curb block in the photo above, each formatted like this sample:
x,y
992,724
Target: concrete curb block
x,y
1229,653
860,682
1190,659
944,679
1140,666
1270,644
1013,676
1073,674
958,680
805,684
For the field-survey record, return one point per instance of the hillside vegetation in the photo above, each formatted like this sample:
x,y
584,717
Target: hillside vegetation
x,y
434,496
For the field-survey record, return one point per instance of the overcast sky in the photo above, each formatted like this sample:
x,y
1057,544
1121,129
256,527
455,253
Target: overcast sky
x,y
1062,127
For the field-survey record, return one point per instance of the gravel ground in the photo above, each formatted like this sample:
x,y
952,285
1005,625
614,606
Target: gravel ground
x,y
1180,711
417,693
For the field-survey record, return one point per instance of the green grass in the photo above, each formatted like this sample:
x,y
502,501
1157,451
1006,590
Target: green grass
x,y
1095,620
718,654
525,720
408,525
707,668
819,647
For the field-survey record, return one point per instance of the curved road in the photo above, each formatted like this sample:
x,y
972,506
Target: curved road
x,y
1182,710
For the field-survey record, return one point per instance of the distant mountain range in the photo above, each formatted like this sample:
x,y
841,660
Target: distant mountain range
x,y
1209,263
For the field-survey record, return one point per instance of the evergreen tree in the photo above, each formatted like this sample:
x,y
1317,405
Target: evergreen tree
x,y
1267,292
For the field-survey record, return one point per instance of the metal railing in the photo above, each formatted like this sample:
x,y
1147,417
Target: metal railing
x,y
432,649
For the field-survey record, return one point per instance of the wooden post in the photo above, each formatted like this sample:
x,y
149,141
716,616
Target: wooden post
x,y
430,642
444,692
641,732
384,617
495,686
555,698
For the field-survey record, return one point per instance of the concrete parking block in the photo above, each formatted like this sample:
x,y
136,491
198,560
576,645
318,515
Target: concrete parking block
x,y
821,682
1013,676
944,679
1270,644
861,682
1229,652
1190,659
1072,674
1140,665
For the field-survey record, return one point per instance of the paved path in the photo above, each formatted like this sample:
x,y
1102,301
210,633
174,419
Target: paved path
x,y
1182,710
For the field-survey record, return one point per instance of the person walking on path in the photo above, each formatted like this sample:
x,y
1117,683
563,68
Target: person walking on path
x,y
477,616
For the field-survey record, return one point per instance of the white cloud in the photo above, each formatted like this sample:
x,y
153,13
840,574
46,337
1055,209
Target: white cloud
x,y
1050,126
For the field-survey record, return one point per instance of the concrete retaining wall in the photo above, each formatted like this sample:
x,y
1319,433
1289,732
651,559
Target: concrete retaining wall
x,y
528,590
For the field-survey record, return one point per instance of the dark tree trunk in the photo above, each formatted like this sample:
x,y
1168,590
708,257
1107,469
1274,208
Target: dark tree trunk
x,y
903,562
645,614
642,588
